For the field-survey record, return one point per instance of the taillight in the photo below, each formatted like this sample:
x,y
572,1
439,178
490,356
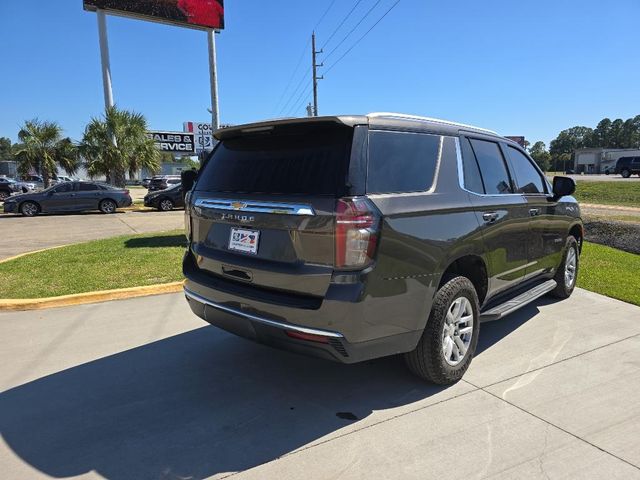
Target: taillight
x,y
126,192
357,225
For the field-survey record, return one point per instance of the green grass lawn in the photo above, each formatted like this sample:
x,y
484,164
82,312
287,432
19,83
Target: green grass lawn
x,y
137,260
120,262
610,272
609,193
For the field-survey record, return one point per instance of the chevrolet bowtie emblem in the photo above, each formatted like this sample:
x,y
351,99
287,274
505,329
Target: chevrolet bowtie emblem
x,y
238,205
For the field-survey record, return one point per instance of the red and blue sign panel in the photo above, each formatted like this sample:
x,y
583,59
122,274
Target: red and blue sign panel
x,y
200,14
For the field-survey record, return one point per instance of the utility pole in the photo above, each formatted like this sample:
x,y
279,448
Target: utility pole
x,y
104,59
315,73
213,79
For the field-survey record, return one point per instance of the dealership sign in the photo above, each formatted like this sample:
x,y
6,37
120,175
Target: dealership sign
x,y
176,142
203,135
201,14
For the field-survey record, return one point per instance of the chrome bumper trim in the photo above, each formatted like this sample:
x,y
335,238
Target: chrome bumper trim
x,y
273,323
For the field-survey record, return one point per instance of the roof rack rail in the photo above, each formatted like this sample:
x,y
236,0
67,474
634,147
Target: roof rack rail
x,y
426,119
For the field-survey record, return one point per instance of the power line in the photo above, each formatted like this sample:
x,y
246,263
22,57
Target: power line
x,y
361,38
296,103
352,30
324,14
322,17
294,93
295,71
341,23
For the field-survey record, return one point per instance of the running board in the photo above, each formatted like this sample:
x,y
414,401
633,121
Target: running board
x,y
496,313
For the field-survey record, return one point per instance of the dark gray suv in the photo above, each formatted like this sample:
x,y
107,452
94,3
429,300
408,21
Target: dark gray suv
x,y
355,237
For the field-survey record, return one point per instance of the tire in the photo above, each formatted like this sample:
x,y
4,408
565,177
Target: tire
x,y
625,173
165,205
606,172
107,206
567,283
429,360
29,209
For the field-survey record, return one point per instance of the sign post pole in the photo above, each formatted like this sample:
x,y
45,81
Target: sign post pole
x,y
213,78
104,59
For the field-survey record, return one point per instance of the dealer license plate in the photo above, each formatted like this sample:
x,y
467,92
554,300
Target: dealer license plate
x,y
245,241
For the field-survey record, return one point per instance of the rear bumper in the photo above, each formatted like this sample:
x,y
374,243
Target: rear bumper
x,y
342,319
125,202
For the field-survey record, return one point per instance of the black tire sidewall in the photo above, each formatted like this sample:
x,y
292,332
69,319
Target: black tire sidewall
x,y
102,204
22,205
561,290
161,202
625,173
431,363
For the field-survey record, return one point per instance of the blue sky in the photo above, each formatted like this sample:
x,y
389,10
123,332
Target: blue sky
x,y
521,68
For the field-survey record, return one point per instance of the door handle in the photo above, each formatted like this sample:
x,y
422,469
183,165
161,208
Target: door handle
x,y
534,212
490,217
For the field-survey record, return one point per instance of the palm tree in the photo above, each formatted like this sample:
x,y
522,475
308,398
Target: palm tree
x,y
42,148
117,144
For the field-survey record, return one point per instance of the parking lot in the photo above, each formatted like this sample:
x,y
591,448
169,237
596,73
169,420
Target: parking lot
x,y
141,388
53,230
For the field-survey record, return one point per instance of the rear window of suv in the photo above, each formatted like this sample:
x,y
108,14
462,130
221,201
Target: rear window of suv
x,y
304,161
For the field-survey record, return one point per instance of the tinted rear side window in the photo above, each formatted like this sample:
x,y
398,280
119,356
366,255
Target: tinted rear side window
x,y
88,187
492,166
471,172
528,180
401,162
311,161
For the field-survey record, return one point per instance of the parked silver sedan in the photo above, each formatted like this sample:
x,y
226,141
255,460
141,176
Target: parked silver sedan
x,y
69,197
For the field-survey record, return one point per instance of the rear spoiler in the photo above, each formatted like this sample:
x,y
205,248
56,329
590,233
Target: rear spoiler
x,y
269,125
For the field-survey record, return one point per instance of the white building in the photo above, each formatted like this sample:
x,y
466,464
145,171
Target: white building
x,y
600,160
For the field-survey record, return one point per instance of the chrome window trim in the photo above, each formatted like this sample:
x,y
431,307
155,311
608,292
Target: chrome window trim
x,y
461,177
255,206
266,321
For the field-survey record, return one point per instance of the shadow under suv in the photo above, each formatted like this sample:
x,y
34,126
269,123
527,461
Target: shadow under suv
x,y
355,237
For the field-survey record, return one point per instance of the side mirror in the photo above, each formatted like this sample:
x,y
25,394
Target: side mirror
x,y
188,178
563,186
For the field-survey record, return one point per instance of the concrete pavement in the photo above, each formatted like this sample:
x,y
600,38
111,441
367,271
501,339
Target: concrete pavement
x,y
20,234
139,389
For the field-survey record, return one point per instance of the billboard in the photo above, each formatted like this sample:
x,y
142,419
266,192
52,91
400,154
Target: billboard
x,y
203,135
200,14
519,140
175,142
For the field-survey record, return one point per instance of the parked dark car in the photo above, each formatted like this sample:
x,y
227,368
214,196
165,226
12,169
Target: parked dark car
x,y
627,166
355,237
69,197
162,182
146,182
165,200
9,186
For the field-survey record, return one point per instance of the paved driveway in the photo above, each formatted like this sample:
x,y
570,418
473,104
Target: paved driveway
x,y
140,389
20,234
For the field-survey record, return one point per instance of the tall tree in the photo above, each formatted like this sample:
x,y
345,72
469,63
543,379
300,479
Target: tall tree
x,y
601,136
5,149
116,144
571,139
540,155
43,149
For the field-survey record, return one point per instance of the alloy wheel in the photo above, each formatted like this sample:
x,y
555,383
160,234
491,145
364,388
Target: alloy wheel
x,y
570,267
457,331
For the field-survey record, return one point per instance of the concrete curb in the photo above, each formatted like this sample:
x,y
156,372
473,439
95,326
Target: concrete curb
x,y
19,304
